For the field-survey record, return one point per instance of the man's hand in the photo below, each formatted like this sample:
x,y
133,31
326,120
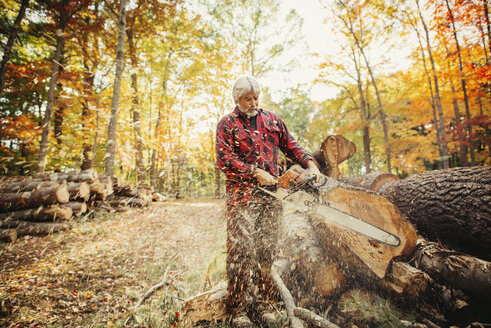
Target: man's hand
x,y
312,169
264,178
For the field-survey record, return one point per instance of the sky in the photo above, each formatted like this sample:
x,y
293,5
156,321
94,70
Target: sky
x,y
318,37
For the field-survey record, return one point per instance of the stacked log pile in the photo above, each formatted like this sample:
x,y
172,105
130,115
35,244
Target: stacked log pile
x,y
44,203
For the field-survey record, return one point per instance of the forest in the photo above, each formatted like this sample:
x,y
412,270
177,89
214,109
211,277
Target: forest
x,y
136,88
112,207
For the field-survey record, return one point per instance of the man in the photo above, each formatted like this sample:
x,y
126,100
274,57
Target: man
x,y
248,141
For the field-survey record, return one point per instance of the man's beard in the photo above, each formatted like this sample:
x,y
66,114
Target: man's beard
x,y
249,112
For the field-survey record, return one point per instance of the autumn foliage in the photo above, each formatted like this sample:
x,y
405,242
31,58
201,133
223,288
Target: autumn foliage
x,y
431,112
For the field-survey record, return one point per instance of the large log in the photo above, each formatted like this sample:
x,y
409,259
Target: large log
x,y
372,181
311,274
50,213
8,235
25,185
461,271
81,176
77,208
35,228
32,199
79,190
451,206
207,306
334,150
360,254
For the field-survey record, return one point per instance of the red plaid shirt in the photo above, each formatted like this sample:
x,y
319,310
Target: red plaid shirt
x,y
240,150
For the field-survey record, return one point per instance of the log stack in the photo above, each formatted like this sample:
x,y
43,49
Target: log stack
x,y
44,203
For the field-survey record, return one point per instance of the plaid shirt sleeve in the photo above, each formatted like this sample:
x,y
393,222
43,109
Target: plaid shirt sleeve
x,y
227,160
290,147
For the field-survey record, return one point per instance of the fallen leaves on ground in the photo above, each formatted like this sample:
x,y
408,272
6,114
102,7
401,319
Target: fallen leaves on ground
x,y
93,275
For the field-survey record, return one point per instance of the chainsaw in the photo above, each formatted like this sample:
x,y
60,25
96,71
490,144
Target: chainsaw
x,y
301,190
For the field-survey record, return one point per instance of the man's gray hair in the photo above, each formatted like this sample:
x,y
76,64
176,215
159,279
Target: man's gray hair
x,y
243,85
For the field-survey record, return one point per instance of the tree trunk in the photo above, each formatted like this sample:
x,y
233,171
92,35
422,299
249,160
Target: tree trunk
x,y
311,274
10,43
451,206
373,181
34,199
8,235
113,121
79,190
140,169
464,84
50,213
43,146
458,270
25,185
441,127
86,175
430,87
77,208
25,228
357,254
383,119
458,121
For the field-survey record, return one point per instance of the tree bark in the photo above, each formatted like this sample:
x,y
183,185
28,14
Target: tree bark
x,y
7,50
77,208
140,169
25,228
79,190
451,206
373,181
113,121
89,175
43,146
34,199
461,271
40,214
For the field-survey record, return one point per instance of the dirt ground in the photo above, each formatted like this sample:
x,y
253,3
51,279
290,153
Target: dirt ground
x,y
94,275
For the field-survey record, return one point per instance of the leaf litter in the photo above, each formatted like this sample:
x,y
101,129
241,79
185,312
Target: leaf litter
x,y
95,274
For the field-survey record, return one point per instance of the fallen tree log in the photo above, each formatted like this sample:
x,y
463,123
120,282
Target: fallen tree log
x,y
98,190
372,181
35,228
77,208
359,254
461,271
50,213
334,150
80,176
8,235
32,199
79,190
451,206
311,274
208,306
25,185
118,201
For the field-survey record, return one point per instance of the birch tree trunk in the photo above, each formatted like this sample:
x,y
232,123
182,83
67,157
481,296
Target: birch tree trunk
x,y
113,122
135,103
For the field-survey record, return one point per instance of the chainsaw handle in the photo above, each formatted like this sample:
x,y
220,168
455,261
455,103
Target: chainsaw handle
x,y
322,181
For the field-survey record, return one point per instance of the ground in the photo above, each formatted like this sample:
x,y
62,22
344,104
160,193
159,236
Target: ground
x,y
94,275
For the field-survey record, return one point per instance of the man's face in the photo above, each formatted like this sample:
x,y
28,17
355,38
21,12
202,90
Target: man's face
x,y
248,104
